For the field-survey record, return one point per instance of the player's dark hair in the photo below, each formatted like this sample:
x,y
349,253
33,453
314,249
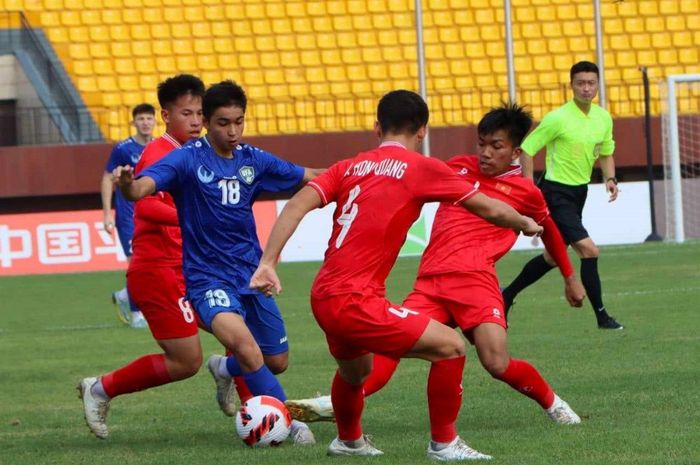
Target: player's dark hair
x,y
143,108
583,67
510,117
223,94
402,111
175,87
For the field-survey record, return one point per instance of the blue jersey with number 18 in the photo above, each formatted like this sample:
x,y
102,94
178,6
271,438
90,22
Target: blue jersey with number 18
x,y
214,198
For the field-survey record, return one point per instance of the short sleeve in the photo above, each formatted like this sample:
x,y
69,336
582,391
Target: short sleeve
x,y
534,205
278,175
169,172
435,181
114,159
607,148
545,132
327,184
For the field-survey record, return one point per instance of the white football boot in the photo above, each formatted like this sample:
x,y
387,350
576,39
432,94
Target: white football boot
x,y
95,410
224,386
561,413
301,434
318,408
362,447
456,450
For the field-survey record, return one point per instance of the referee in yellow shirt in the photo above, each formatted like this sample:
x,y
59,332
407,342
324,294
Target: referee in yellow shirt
x,y
576,135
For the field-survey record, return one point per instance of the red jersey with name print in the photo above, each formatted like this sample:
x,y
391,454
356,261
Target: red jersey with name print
x,y
461,241
378,195
157,240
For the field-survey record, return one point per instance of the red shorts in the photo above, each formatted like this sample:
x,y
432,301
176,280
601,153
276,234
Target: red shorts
x,y
357,324
159,293
463,300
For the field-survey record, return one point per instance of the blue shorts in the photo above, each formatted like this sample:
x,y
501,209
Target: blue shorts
x,y
125,230
260,313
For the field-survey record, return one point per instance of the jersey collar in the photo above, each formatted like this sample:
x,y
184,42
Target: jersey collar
x,y
172,140
392,143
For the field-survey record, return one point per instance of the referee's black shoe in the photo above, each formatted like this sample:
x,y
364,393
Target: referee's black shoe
x,y
609,322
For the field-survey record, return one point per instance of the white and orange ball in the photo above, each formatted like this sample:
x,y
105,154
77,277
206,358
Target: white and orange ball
x,y
263,421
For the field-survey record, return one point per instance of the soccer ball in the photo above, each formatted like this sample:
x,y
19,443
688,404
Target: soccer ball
x,y
263,421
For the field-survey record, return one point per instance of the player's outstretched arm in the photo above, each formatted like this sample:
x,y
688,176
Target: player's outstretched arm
x,y
265,278
106,188
133,189
501,214
556,248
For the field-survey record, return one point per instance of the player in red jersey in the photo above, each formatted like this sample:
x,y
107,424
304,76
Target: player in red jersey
x,y
457,283
154,276
379,194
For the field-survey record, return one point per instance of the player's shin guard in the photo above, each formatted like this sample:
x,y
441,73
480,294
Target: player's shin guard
x,y
525,378
143,373
262,382
382,370
445,397
348,403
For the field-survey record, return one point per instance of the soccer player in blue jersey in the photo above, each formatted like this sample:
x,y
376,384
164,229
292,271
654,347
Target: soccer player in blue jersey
x,y
214,181
126,152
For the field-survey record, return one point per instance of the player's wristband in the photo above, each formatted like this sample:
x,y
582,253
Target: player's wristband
x,y
613,179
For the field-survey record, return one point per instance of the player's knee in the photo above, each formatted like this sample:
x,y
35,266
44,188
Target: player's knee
x,y
453,347
495,365
185,367
277,365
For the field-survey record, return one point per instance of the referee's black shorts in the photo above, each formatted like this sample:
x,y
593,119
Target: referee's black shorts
x,y
566,208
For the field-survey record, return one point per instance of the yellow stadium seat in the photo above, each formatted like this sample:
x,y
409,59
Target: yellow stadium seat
x,y
285,42
50,19
180,30
79,34
139,32
165,64
524,13
640,41
153,15
562,62
342,23
682,40
201,29
537,47
302,25
459,67
634,24
453,51
220,29
543,63
366,38
688,56
183,46
480,66
474,49
315,74
145,66
443,18
252,10
132,16
530,31
120,49
160,31
331,57
281,26
322,24
52,4
403,20
141,48
119,32
654,24
107,84
326,41
90,17
646,56
319,89
310,58
668,57
463,17
408,37
306,41
83,68
387,37
87,84
111,17
99,50
128,83
124,66
264,43
269,60
438,68
484,16
356,72
371,55
186,63
676,23
448,35
351,56
70,18
261,26
207,62
669,7
552,30
523,63
203,47
619,41
110,99
336,73
289,59
228,60
661,40
193,14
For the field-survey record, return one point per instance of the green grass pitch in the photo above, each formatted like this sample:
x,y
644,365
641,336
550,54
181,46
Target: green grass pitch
x,y
638,391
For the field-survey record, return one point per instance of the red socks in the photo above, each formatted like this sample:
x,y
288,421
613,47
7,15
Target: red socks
x,y
382,370
348,403
143,373
445,398
242,389
523,377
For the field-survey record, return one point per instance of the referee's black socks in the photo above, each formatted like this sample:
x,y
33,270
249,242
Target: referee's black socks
x,y
531,272
591,281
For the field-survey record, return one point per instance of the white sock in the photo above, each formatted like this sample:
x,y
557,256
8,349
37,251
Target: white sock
x,y
122,294
98,391
222,370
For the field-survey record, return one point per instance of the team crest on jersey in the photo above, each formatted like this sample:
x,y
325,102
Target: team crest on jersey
x,y
247,174
135,158
463,171
503,188
204,174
